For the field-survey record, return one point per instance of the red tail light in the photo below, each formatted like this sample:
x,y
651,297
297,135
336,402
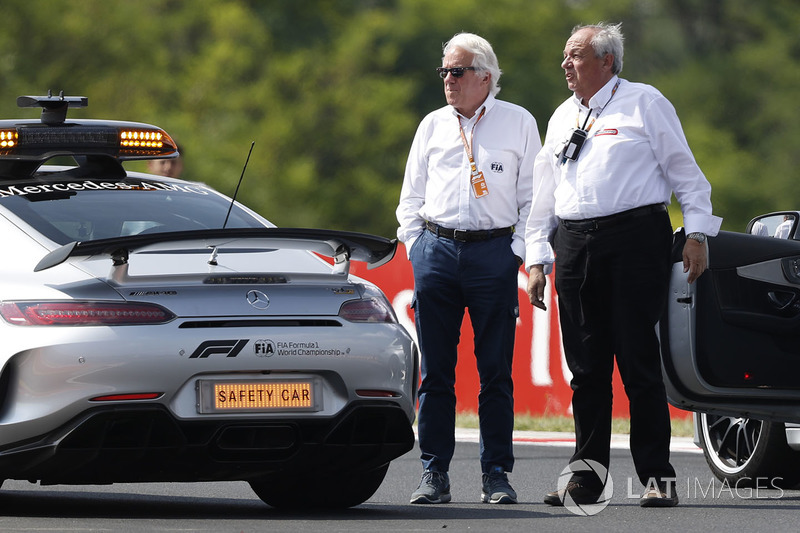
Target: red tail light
x,y
127,397
369,393
83,313
369,310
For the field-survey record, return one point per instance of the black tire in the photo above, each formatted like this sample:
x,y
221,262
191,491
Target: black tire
x,y
339,491
748,452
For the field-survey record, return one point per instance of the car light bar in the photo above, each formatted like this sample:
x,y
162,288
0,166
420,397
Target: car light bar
x,y
83,314
120,140
53,135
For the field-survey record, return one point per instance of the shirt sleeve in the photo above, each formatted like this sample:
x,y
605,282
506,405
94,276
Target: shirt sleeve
x,y
533,146
679,167
412,194
542,221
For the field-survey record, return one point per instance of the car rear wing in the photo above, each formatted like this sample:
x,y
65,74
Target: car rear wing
x,y
342,246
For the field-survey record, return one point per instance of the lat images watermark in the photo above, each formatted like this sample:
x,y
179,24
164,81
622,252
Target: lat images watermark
x,y
690,488
694,488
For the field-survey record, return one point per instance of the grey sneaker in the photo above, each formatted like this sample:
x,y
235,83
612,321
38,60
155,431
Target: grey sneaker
x,y
434,487
496,488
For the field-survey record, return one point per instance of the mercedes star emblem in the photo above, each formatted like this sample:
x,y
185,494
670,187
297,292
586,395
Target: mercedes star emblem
x,y
258,299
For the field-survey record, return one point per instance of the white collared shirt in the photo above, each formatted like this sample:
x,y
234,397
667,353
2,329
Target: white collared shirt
x,y
437,185
635,155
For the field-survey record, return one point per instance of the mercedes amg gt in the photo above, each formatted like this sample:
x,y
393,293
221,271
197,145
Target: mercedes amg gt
x,y
156,330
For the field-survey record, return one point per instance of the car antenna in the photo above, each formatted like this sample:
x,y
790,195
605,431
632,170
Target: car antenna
x,y
236,192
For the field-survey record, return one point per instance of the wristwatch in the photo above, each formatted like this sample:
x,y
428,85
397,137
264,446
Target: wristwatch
x,y
699,237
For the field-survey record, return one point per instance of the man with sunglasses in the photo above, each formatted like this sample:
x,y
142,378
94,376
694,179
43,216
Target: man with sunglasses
x,y
613,155
465,197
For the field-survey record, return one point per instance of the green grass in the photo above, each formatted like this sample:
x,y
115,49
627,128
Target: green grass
x,y
680,427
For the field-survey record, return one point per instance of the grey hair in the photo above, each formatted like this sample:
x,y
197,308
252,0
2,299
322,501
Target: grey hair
x,y
485,58
607,39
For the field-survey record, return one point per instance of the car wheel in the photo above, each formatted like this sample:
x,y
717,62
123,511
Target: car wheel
x,y
748,452
339,491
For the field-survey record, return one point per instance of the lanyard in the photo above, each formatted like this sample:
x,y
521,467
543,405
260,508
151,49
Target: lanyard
x,y
468,145
613,91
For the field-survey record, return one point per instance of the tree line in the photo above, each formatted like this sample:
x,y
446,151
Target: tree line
x,y
331,91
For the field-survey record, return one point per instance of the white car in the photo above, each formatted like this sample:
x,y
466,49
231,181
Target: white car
x,y
731,352
156,330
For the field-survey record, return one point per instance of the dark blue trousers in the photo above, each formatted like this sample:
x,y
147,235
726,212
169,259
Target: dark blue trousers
x,y
449,277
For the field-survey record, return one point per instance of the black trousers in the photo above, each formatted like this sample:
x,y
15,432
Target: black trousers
x,y
612,284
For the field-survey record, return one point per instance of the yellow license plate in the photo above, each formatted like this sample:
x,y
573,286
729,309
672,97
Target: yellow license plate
x,y
218,396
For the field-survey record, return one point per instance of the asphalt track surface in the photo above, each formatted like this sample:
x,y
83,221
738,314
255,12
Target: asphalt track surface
x,y
706,504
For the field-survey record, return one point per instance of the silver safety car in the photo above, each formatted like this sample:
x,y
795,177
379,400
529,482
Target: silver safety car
x,y
154,329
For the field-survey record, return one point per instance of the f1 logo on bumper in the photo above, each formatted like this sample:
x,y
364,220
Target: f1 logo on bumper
x,y
229,348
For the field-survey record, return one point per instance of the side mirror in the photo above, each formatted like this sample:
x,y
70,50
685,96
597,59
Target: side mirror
x,y
781,225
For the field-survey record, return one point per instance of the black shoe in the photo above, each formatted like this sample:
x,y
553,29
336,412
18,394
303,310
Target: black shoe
x,y
665,495
496,488
434,487
578,492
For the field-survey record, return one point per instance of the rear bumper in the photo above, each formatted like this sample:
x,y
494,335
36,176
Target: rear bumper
x,y
148,444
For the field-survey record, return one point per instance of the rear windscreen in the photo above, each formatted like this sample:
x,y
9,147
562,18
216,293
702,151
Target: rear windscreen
x,y
91,209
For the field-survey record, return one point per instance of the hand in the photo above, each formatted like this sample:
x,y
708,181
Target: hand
x,y
536,284
695,259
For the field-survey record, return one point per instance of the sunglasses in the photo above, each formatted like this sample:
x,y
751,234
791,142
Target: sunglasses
x,y
457,72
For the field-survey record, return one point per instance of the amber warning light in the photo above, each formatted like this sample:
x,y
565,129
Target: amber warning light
x,y
8,138
141,138
145,142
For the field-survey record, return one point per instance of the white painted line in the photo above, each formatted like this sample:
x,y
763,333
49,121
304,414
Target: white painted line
x,y
551,438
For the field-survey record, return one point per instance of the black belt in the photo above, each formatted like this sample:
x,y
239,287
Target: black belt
x,y
467,235
594,224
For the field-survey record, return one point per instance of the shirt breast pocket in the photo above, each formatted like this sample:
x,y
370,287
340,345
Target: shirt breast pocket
x,y
498,165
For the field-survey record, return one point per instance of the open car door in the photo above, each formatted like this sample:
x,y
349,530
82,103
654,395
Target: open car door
x,y
731,340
